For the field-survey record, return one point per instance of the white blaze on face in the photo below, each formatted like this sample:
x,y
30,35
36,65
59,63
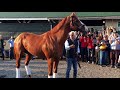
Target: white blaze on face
x,y
28,71
86,28
17,73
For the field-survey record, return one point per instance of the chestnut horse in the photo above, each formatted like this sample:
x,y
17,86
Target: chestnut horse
x,y
48,45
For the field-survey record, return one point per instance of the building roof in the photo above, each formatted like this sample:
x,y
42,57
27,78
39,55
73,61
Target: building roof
x,y
56,15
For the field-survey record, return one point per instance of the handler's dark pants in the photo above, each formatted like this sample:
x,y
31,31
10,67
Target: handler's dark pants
x,y
70,62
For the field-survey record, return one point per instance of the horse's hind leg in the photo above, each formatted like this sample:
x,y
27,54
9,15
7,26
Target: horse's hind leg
x,y
55,66
50,68
27,60
17,56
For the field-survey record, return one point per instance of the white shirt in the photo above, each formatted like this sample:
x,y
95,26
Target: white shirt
x,y
11,42
67,46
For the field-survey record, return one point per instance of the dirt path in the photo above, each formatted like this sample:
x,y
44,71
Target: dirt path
x,y
39,70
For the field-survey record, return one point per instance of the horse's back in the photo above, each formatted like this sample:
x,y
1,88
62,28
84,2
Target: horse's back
x,y
26,36
29,42
37,44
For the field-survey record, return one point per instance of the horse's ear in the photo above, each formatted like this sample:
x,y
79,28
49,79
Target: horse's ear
x,y
73,14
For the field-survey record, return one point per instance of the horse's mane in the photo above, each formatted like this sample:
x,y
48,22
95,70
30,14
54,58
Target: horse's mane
x,y
59,25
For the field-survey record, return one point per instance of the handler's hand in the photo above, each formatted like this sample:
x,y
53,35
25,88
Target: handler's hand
x,y
72,46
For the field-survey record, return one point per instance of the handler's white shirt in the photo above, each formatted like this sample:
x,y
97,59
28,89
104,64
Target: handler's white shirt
x,y
67,46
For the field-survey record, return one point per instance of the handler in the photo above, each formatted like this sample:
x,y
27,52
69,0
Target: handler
x,y
71,46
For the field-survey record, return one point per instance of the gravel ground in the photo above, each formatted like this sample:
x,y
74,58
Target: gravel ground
x,y
39,70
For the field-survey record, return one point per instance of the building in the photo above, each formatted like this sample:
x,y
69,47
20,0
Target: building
x,y
13,23
44,21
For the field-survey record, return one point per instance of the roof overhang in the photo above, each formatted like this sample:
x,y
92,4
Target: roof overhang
x,y
112,17
23,18
81,18
92,18
100,18
57,18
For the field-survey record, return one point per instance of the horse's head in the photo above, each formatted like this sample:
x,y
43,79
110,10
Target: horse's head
x,y
76,24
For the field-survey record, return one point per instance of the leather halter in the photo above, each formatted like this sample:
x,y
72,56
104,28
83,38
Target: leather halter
x,y
74,23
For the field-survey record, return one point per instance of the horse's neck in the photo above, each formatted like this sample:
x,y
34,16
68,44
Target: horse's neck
x,y
61,30
63,35
59,26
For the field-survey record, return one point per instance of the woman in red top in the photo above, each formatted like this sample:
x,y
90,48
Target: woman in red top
x,y
83,41
90,49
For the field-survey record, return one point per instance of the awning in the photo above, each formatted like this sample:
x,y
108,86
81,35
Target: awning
x,y
23,18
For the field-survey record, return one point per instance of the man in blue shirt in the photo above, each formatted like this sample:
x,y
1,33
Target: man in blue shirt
x,y
11,42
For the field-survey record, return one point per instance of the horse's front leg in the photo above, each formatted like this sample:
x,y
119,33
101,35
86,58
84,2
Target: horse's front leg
x,y
55,67
50,68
